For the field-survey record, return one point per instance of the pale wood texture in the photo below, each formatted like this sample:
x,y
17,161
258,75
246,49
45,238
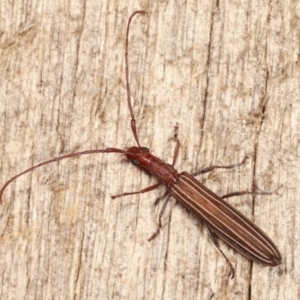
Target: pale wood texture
x,y
227,73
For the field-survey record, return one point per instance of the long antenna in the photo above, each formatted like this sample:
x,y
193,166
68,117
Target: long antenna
x,y
108,150
133,127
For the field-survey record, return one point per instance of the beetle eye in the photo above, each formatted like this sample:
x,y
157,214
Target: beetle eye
x,y
146,149
135,162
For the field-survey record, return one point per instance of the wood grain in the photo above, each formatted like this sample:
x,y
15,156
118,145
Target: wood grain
x,y
227,73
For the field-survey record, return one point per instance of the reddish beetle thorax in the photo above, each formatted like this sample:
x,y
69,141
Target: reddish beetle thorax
x,y
141,157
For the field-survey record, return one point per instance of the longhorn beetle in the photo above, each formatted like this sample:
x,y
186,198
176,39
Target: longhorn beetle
x,y
221,219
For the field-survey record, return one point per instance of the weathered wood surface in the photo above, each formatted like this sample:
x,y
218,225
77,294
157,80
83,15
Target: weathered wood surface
x,y
227,73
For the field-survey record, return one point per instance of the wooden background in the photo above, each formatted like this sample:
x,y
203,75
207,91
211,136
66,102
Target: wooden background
x,y
226,71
